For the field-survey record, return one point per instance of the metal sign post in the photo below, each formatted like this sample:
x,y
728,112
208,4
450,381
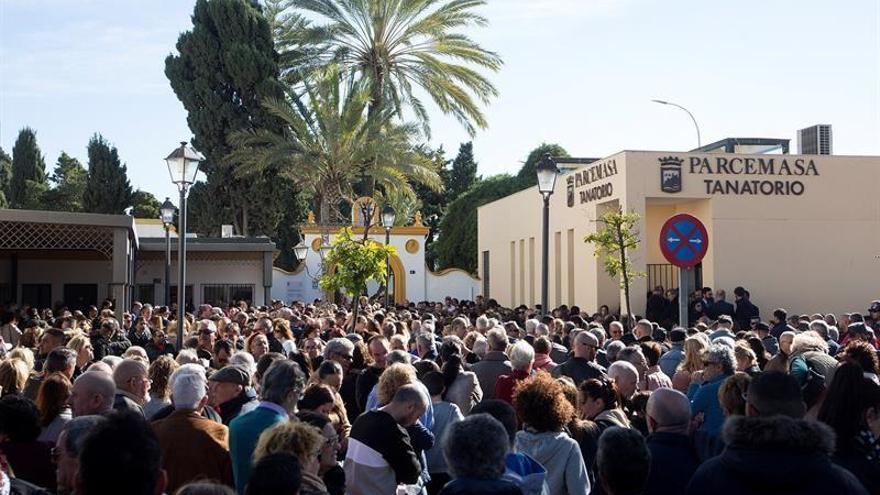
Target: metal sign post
x,y
684,242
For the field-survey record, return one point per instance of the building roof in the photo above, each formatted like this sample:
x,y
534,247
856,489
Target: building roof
x,y
211,244
70,218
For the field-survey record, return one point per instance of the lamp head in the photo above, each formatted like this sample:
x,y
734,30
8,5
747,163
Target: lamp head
x,y
166,212
388,216
183,165
547,173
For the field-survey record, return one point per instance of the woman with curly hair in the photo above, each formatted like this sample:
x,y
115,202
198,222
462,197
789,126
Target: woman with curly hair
x,y
302,440
544,411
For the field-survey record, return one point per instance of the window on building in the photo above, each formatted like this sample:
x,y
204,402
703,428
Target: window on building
x,y
80,296
6,295
188,296
146,293
38,295
223,294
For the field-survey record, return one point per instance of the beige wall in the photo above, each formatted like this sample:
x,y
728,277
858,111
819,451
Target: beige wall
x,y
817,251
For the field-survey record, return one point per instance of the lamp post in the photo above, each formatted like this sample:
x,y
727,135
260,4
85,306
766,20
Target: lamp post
x,y
183,165
547,173
166,214
697,127
388,216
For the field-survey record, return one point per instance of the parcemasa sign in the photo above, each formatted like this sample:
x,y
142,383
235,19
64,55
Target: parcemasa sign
x,y
781,174
587,179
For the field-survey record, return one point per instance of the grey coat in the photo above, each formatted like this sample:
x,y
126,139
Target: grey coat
x,y
493,365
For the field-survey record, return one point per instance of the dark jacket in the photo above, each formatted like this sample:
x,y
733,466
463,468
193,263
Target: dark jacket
x,y
579,369
122,402
744,313
364,384
232,408
722,308
776,455
139,338
655,309
102,346
470,486
673,463
854,457
31,461
493,365
154,351
778,328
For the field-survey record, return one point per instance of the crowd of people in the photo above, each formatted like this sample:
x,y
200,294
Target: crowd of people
x,y
452,398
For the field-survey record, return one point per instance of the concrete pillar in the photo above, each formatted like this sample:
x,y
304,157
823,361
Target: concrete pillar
x,y
120,269
267,277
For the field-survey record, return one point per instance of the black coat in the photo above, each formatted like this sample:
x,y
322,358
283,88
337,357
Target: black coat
x,y
745,311
722,308
776,455
673,463
114,346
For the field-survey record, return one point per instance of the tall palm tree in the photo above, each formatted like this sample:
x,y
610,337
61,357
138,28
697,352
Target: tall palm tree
x,y
399,46
327,140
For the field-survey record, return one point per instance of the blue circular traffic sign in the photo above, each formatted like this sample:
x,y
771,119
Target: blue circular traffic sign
x,y
684,240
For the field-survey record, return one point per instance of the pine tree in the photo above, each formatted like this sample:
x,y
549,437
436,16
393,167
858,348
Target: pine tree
x,y
28,165
5,177
463,173
107,190
69,179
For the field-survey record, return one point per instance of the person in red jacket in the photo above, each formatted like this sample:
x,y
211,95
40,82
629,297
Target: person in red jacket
x,y
522,357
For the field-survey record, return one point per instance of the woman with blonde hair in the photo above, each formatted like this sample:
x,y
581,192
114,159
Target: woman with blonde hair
x,y
394,377
746,360
13,376
25,354
692,363
82,345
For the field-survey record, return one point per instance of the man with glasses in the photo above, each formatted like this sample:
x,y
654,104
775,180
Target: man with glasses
x,y
582,364
132,386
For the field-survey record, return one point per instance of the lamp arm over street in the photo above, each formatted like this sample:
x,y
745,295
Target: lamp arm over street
x,y
696,126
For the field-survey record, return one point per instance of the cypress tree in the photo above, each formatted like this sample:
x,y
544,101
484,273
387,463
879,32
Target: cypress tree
x,y
463,173
5,177
28,171
107,189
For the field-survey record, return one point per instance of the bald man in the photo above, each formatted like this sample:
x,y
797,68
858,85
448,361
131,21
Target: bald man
x,y
92,393
582,364
673,458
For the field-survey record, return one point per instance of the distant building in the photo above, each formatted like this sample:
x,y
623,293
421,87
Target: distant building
x,y
815,140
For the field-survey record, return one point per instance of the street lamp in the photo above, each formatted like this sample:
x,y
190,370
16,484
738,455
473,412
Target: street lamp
x,y
166,214
547,173
663,102
388,216
183,165
300,251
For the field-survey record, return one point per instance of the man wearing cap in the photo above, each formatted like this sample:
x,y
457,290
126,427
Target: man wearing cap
x,y
582,365
670,360
230,393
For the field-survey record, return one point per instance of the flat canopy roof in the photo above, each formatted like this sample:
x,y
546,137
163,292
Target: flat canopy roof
x,y
70,218
213,244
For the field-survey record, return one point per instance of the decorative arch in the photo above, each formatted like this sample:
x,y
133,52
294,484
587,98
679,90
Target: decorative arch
x,y
397,269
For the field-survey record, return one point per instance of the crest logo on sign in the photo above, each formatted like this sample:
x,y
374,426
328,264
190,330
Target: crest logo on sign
x,y
670,174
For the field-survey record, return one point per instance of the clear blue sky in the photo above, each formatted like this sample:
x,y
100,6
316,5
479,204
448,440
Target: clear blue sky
x,y
577,72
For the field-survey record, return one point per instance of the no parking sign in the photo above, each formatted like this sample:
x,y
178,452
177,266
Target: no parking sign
x,y
684,240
